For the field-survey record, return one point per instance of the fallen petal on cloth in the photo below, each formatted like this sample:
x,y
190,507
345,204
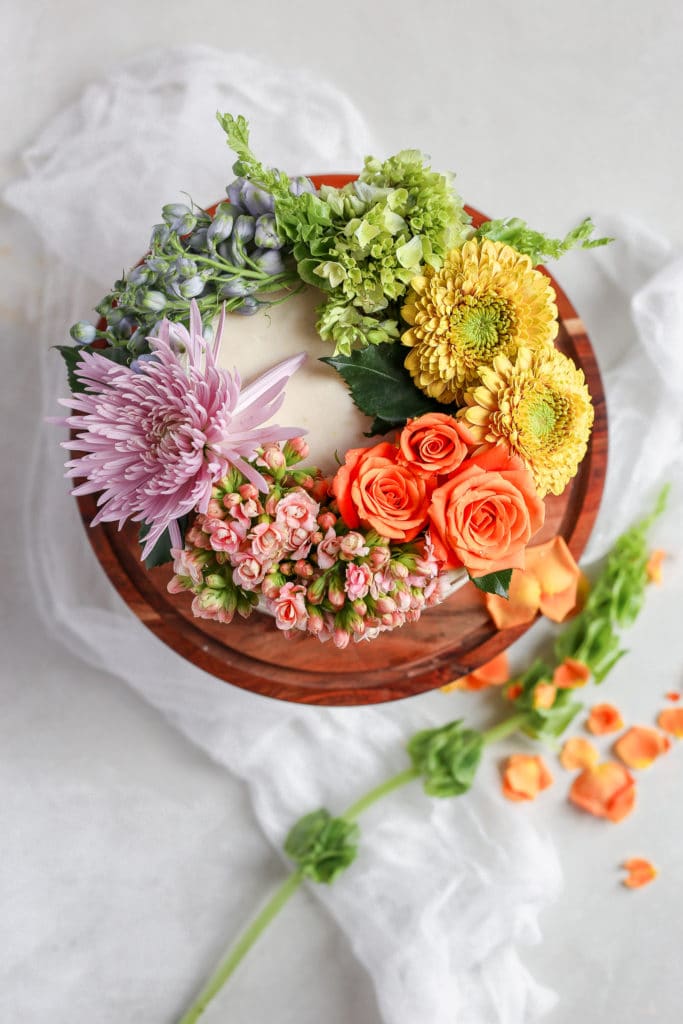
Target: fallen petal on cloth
x,y
640,746
525,776
603,719
578,752
640,872
671,720
606,790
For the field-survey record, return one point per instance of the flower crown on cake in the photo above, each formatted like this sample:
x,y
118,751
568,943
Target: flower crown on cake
x,y
444,336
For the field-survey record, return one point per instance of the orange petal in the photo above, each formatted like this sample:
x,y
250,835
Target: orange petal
x,y
578,752
671,720
524,776
640,746
673,695
558,575
604,718
544,695
513,691
522,604
640,872
570,674
606,790
654,565
494,673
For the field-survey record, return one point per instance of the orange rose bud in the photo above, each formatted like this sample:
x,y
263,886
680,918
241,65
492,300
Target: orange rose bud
x,y
544,695
570,674
578,752
606,790
640,746
654,565
434,444
525,776
494,673
671,720
604,718
640,872
372,488
486,514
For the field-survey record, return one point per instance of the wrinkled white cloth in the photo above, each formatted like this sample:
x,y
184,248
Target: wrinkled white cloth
x,y
443,893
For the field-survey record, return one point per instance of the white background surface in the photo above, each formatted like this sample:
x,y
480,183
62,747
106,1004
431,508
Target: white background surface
x,y
544,111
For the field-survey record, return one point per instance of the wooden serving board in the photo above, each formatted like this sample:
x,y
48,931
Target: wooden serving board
x,y
447,642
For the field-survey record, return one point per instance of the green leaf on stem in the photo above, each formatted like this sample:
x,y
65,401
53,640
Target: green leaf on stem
x,y
494,582
447,758
322,846
71,354
539,247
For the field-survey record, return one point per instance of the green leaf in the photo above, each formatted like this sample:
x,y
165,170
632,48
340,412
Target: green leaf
x,y
539,247
494,582
381,386
447,758
71,354
322,846
161,552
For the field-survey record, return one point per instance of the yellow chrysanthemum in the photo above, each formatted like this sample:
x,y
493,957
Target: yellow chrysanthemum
x,y
486,300
540,407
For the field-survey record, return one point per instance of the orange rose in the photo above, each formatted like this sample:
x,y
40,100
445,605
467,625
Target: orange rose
x,y
485,515
374,489
433,444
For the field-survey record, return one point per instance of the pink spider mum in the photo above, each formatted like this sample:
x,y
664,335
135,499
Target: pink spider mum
x,y
157,440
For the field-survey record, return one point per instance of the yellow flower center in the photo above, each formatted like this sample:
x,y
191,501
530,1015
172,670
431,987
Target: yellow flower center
x,y
543,417
481,327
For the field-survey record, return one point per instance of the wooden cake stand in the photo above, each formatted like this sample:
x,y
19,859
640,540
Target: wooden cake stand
x,y
447,642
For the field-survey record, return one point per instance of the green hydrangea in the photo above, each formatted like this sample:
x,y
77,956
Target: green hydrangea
x,y
348,328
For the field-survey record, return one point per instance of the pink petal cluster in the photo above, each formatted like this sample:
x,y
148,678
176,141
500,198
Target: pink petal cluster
x,y
157,439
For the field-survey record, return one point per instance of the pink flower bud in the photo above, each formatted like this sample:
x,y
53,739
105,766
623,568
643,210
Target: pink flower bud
x,y
341,638
303,568
215,509
248,491
336,595
399,570
379,556
326,520
386,605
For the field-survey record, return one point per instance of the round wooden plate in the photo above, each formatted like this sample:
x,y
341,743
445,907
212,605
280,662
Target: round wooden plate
x,y
448,641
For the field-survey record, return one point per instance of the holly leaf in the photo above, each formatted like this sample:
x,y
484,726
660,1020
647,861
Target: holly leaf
x,y
494,582
381,386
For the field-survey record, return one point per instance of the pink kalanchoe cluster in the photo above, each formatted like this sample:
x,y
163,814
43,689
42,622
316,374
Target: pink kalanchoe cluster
x,y
157,438
290,553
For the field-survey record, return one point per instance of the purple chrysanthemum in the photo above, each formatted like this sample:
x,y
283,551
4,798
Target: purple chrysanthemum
x,y
158,437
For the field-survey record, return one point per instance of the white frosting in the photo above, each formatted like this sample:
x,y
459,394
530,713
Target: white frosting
x,y
317,399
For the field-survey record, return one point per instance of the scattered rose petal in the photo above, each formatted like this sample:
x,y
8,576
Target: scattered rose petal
x,y
673,695
640,872
604,718
671,720
570,674
606,790
550,583
578,752
640,746
494,673
524,776
544,695
654,565
513,691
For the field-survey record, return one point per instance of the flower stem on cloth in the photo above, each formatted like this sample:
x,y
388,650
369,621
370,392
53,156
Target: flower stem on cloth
x,y
447,757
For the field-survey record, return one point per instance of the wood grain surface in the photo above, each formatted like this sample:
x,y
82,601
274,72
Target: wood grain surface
x,y
448,641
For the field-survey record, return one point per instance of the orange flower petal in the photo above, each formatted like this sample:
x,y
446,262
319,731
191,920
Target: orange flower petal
x,y
494,673
522,604
604,718
671,720
578,752
654,565
673,695
640,746
558,575
513,691
544,695
525,776
606,790
570,674
640,872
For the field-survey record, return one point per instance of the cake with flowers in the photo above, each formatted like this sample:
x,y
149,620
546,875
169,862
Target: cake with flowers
x,y
329,403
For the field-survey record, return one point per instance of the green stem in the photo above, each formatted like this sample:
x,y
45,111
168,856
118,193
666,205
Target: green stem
x,y
237,952
395,782
505,728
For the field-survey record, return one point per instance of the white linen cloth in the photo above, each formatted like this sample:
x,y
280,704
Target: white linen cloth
x,y
443,892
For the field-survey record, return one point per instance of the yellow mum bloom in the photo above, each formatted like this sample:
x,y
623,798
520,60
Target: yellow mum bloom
x,y
540,407
486,300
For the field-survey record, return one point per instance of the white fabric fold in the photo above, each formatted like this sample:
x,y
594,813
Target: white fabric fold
x,y
443,893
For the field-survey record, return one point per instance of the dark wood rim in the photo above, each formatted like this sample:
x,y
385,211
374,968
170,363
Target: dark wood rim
x,y
254,655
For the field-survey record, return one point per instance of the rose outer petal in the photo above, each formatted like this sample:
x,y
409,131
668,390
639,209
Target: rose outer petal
x,y
495,672
522,604
640,746
525,776
605,790
578,752
640,872
570,674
